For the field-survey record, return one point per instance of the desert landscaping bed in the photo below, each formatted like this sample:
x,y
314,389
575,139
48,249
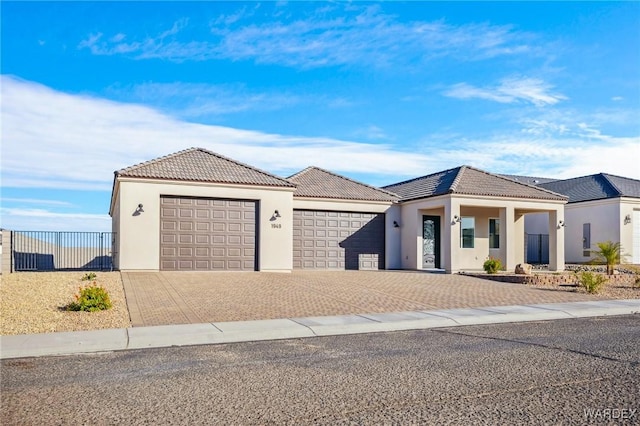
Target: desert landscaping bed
x,y
32,302
618,286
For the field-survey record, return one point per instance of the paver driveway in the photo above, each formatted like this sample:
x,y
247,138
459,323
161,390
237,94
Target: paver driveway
x,y
158,298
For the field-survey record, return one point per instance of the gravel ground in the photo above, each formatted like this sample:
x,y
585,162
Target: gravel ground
x,y
31,302
610,291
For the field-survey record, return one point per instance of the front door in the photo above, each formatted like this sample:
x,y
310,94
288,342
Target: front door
x,y
430,242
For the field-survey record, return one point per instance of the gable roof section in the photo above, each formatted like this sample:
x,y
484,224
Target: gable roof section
x,y
315,182
469,181
595,187
201,165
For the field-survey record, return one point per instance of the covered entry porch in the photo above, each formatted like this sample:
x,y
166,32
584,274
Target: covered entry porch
x,y
456,233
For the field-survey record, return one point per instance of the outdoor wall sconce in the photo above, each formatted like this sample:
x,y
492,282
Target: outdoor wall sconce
x,y
560,224
627,219
275,215
395,224
456,219
138,210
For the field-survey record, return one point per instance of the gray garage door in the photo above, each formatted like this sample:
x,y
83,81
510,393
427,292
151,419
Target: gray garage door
x,y
202,234
337,240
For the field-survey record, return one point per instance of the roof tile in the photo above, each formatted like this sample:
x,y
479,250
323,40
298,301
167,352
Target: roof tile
x,y
595,187
201,165
469,181
315,182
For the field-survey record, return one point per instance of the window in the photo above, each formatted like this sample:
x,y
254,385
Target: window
x,y
586,239
494,233
468,232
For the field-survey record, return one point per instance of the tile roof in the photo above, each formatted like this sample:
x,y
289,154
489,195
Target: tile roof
x,y
531,180
201,165
315,182
595,187
469,181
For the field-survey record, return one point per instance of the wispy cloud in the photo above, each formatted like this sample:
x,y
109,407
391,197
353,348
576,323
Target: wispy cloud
x,y
372,132
555,145
199,99
35,201
46,220
355,34
78,141
510,90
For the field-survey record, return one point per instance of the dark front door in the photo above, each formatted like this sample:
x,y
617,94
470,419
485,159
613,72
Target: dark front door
x,y
430,242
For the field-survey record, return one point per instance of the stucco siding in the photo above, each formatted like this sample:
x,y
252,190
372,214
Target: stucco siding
x,y
455,258
604,219
139,233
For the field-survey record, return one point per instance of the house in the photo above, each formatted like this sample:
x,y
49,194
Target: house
x,y
456,218
198,210
601,207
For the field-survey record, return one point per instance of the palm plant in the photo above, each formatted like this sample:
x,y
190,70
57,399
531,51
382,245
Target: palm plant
x,y
608,253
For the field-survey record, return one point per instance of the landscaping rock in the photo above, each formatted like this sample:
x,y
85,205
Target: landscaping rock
x,y
523,269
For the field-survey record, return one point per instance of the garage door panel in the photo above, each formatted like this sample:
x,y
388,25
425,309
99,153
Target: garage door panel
x,y
207,234
185,226
338,240
203,239
169,265
169,252
203,252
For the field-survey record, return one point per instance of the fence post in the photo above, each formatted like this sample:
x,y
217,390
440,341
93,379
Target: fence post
x,y
6,264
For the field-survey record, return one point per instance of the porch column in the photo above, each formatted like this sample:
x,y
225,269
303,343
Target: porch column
x,y
450,237
508,237
556,240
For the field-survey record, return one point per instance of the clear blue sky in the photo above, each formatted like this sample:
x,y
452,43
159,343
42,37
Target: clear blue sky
x,y
380,92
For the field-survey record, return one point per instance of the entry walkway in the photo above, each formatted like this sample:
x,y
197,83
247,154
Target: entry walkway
x,y
165,298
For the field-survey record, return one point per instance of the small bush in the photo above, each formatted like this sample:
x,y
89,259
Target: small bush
x,y
591,282
91,298
89,276
492,265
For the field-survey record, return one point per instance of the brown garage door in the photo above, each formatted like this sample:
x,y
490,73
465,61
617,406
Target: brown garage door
x,y
207,234
338,240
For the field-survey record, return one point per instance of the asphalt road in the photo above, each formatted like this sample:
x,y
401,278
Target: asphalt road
x,y
583,371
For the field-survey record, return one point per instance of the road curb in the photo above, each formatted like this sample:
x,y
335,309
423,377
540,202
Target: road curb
x,y
67,343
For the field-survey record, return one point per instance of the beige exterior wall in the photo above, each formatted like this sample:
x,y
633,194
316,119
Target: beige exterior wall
x,y
139,235
607,219
454,258
391,211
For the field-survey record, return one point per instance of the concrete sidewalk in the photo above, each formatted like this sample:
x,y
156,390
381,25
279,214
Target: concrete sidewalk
x,y
47,344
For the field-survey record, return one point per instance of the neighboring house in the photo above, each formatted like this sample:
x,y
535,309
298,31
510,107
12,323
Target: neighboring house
x,y
198,210
602,207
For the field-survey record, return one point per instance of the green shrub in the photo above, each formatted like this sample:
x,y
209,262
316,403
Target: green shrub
x,y
591,282
89,276
492,265
608,253
91,298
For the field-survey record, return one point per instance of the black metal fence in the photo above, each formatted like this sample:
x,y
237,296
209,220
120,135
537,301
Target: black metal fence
x,y
59,251
538,248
